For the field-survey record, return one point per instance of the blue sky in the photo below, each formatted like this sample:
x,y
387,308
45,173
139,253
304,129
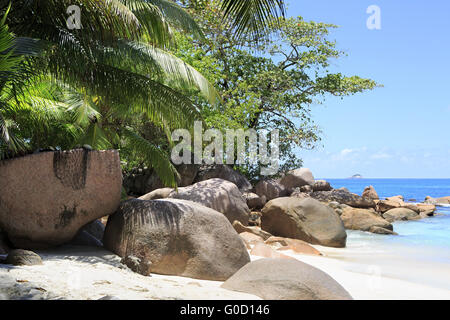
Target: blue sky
x,y
403,129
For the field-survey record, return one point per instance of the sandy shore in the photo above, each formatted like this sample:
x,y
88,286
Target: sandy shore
x,y
374,281
84,273
92,273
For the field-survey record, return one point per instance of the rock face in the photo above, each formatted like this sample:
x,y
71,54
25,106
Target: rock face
x,y
254,201
303,219
398,199
380,230
270,189
285,279
217,194
321,185
20,257
250,238
225,172
385,205
47,197
161,193
363,219
4,248
370,193
343,196
426,209
298,246
90,235
437,201
400,214
239,227
143,181
137,265
176,237
412,207
297,178
261,249
299,194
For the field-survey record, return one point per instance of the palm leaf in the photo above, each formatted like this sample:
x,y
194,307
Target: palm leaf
x,y
252,16
155,157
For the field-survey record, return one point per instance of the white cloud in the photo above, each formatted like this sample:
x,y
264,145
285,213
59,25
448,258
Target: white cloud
x,y
380,156
345,152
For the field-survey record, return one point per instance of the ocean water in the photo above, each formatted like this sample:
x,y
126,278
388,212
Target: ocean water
x,y
421,251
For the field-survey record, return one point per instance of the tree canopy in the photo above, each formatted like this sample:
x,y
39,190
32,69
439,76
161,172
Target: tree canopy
x,y
270,82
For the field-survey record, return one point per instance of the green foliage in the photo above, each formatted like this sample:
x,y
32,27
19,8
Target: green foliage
x,y
105,75
271,82
13,74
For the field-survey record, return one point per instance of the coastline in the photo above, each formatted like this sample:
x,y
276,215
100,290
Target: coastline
x,y
412,265
369,281
85,273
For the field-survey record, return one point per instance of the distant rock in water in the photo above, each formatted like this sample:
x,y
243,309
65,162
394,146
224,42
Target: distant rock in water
x,y
356,176
437,201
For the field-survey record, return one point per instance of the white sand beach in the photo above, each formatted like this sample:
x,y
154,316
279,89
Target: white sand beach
x,y
92,273
374,281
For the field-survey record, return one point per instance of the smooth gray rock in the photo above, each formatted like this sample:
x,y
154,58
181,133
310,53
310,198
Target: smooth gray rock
x,y
176,237
285,279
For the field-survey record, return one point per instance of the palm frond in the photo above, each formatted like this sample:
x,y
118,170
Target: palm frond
x,y
155,157
252,16
95,137
178,17
146,59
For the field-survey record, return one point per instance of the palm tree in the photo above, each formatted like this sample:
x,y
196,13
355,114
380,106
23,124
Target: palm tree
x,y
116,59
13,77
116,65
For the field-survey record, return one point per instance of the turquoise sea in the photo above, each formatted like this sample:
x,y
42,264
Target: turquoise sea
x,y
422,246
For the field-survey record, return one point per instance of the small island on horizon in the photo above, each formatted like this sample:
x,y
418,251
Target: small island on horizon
x,y
356,176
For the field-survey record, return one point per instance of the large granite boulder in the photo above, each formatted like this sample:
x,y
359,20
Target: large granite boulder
x,y
303,219
321,185
143,181
370,193
217,194
363,219
261,249
20,257
400,214
161,193
239,227
426,209
412,207
4,247
297,178
285,279
225,172
384,205
398,199
250,238
298,246
90,235
343,196
176,237
47,197
437,201
254,201
270,189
